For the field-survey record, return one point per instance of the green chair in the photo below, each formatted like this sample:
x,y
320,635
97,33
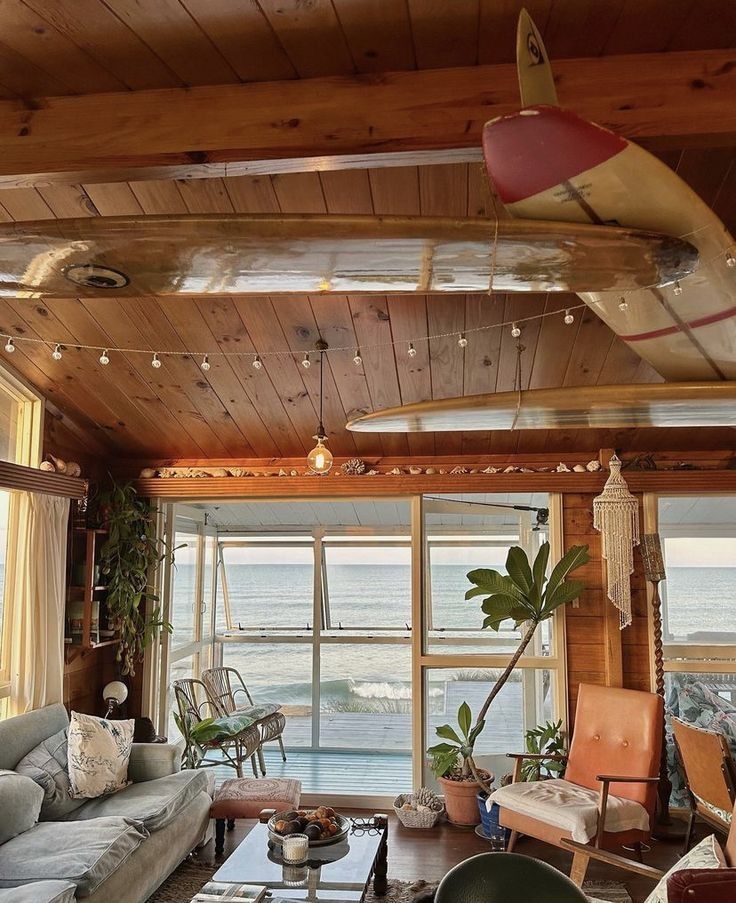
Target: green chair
x,y
506,878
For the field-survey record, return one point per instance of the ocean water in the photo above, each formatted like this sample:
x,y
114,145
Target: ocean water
x,y
360,680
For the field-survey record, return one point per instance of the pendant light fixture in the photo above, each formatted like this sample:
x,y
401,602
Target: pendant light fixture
x,y
320,457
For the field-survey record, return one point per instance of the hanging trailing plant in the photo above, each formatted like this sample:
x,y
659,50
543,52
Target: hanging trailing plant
x,y
129,558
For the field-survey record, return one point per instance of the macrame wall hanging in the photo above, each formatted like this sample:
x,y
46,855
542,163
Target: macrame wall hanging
x,y
616,516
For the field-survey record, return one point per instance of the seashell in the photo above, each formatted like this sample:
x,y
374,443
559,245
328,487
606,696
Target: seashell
x,y
415,470
293,473
442,470
146,474
430,470
458,470
282,472
59,464
473,470
237,472
526,470
217,472
395,472
372,473
490,470
593,465
543,470
562,468
47,465
511,469
73,469
353,467
578,468
167,472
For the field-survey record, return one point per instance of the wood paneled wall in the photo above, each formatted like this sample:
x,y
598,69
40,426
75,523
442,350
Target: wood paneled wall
x,y
84,679
598,652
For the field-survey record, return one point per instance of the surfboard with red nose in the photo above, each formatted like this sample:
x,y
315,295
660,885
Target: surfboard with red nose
x,y
547,163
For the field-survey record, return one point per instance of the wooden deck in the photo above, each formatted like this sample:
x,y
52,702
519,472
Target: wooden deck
x,y
336,772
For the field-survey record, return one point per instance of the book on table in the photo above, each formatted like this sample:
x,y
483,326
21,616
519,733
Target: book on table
x,y
220,892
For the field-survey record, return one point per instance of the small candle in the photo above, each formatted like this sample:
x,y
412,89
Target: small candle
x,y
295,848
295,875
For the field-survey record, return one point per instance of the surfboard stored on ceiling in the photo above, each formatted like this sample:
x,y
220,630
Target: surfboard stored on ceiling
x,y
240,254
599,407
549,164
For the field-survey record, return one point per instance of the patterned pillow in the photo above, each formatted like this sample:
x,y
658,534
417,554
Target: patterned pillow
x,y
706,855
99,752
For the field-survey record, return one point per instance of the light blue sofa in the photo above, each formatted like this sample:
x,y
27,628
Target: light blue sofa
x,y
119,848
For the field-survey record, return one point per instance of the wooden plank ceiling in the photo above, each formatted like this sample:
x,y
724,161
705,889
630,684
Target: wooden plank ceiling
x,y
53,47
57,47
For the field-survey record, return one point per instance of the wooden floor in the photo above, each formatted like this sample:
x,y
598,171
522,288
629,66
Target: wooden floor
x,y
429,855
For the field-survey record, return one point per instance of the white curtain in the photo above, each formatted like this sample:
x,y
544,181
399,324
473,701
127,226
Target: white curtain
x,y
35,590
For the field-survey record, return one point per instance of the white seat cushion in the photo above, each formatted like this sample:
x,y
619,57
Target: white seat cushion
x,y
570,807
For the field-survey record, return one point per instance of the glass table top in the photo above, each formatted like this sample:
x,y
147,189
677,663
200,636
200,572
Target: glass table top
x,y
337,873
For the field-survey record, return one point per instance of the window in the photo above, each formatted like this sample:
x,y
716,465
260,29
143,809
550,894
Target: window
x,y
20,443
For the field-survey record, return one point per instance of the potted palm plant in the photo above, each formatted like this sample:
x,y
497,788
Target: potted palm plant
x,y
526,596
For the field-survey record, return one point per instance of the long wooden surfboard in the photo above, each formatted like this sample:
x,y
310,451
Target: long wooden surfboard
x,y
240,254
546,163
600,407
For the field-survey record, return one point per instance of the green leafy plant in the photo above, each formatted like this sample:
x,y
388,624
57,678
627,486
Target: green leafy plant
x,y
526,596
129,558
545,739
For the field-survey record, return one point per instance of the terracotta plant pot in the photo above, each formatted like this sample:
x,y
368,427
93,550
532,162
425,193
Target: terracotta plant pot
x,y
460,801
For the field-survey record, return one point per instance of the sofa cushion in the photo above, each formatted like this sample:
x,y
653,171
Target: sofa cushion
x,y
155,803
47,766
570,807
83,852
99,752
20,804
40,892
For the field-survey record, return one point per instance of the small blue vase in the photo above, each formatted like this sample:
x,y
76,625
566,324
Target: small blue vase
x,y
489,820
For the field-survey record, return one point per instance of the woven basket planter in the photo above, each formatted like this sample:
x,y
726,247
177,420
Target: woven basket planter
x,y
411,818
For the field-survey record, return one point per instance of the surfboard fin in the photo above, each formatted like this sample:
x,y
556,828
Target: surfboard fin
x,y
536,82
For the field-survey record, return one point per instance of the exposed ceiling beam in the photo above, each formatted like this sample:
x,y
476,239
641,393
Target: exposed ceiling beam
x,y
667,100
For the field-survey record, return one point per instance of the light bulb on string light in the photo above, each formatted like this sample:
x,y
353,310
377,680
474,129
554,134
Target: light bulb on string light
x,y
319,458
677,288
257,363
411,350
623,305
56,353
155,362
306,362
730,260
569,318
205,365
104,358
462,341
10,346
515,331
357,360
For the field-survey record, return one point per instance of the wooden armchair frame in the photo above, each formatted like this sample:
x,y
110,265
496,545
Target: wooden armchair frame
x,y
580,863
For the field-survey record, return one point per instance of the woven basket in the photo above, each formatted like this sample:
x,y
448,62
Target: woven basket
x,y
410,818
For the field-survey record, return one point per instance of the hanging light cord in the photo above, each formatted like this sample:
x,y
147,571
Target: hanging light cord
x,y
321,430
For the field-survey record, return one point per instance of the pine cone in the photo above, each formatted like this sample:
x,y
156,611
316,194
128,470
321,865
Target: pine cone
x,y
353,467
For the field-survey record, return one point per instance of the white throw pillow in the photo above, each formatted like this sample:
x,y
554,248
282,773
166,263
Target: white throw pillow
x,y
706,855
99,752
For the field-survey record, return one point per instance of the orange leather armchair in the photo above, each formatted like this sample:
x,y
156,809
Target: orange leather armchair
x,y
609,792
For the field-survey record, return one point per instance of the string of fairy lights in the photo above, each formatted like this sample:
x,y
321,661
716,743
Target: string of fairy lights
x,y
257,359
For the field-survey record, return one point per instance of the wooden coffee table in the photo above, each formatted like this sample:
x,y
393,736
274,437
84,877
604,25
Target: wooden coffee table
x,y
336,873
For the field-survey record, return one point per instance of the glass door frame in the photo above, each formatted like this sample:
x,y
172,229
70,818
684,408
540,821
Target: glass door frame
x,y
194,523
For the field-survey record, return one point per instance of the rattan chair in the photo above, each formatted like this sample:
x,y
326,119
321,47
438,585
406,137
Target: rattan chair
x,y
229,694
195,704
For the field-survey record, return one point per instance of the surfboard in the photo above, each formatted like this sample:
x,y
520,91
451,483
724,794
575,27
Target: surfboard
x,y
241,254
547,163
599,407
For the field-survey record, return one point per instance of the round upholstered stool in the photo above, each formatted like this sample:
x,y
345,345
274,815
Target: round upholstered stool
x,y
247,798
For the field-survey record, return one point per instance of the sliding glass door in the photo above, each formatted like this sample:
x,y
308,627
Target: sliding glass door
x,y
189,606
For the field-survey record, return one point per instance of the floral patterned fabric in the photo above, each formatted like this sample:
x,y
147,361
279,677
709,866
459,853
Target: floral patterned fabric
x,y
706,855
219,730
98,753
692,702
